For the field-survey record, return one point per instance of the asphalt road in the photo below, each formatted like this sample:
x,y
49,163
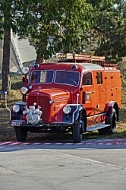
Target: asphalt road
x,y
94,165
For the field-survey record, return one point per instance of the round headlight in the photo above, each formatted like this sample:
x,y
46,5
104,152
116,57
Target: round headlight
x,y
25,70
67,109
16,108
24,90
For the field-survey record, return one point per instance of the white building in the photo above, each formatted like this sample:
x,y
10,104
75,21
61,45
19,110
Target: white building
x,y
21,51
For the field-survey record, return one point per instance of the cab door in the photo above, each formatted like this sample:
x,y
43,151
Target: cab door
x,y
100,91
88,93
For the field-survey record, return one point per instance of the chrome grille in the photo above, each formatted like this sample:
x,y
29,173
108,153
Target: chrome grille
x,y
43,102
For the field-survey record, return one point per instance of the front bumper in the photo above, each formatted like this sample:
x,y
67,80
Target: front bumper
x,y
23,123
44,127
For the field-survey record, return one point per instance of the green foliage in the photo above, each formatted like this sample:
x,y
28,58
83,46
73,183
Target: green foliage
x,y
111,28
54,26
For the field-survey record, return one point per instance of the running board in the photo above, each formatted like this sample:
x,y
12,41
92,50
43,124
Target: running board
x,y
96,127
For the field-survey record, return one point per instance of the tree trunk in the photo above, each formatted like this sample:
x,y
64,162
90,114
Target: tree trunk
x,y
39,59
41,50
6,60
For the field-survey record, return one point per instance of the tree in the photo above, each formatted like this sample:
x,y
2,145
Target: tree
x,y
6,26
10,12
110,27
8,23
56,26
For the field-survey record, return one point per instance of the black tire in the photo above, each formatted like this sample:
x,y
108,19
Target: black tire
x,y
21,134
78,130
111,120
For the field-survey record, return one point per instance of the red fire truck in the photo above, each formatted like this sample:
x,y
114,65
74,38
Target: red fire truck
x,y
79,93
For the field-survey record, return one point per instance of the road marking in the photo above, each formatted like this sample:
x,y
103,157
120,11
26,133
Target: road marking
x,y
102,142
4,170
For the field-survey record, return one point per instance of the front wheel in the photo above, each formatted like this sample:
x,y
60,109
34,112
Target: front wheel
x,y
78,129
21,134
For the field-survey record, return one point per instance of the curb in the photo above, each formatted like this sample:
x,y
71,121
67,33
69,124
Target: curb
x,y
99,143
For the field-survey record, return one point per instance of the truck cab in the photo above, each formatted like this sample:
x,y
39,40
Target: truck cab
x,y
78,94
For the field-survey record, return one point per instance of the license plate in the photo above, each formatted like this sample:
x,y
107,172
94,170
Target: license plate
x,y
16,123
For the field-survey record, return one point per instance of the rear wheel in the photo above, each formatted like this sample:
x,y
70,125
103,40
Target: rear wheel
x,y
112,124
21,133
78,129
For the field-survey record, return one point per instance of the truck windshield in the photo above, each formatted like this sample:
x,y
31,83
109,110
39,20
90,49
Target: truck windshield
x,y
43,76
67,77
61,77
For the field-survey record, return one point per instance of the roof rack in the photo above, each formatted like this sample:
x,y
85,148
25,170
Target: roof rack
x,y
84,58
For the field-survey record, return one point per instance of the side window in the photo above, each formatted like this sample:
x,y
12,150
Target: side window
x,y
99,77
87,79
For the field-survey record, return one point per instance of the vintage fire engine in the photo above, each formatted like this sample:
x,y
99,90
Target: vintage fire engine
x,y
79,93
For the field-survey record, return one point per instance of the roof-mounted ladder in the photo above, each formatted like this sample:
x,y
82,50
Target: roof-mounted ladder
x,y
84,58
